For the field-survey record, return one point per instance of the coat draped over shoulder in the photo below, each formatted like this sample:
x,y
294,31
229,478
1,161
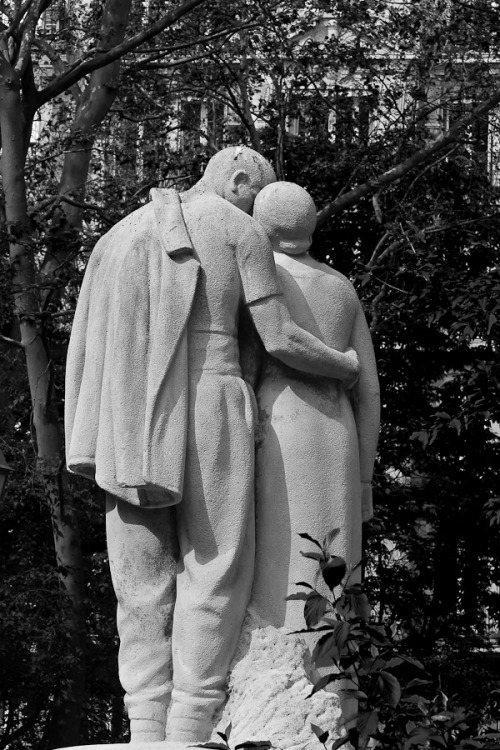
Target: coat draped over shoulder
x,y
126,372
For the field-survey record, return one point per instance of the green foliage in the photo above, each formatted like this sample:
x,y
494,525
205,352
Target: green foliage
x,y
399,704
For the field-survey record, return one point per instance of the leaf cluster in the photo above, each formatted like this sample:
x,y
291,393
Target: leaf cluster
x,y
398,704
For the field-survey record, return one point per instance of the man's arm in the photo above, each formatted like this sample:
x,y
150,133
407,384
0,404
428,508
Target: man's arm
x,y
366,405
251,349
297,348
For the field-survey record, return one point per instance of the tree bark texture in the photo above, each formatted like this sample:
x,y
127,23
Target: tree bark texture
x,y
93,106
46,425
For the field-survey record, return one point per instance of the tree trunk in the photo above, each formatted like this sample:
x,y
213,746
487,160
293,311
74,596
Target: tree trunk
x,y
93,106
39,367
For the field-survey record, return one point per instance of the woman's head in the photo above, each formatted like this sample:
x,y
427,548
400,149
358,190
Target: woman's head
x,y
288,214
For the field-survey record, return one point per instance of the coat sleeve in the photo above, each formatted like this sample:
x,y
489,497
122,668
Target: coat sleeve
x,y
85,367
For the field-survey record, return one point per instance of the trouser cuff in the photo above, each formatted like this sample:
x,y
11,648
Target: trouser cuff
x,y
151,711
147,730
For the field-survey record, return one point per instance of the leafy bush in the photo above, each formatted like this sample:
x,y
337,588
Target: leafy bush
x,y
399,705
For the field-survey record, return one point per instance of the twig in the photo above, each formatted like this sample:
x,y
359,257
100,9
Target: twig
x,y
90,206
399,171
62,314
162,52
378,247
396,289
429,166
374,309
80,69
18,17
11,342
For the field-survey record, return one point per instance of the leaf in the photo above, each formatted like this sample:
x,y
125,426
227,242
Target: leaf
x,y
314,609
311,539
377,665
256,744
329,538
414,662
417,700
353,735
360,605
324,681
418,736
379,636
325,650
351,693
226,734
394,662
389,688
421,435
341,634
416,682
367,723
340,741
303,583
299,596
214,745
348,661
439,739
320,733
333,571
313,555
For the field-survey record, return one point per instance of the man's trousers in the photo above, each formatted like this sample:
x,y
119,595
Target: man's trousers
x,y
211,534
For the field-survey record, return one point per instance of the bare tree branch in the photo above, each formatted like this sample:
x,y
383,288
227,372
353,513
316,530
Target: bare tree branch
x,y
28,35
11,342
81,69
90,206
422,155
175,63
164,51
58,64
18,17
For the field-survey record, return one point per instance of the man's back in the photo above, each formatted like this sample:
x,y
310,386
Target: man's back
x,y
236,262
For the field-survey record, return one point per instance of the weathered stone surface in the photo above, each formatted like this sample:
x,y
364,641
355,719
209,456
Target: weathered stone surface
x,y
316,441
158,412
269,685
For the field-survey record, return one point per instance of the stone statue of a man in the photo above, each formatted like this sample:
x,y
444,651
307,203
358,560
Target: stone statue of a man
x,y
157,412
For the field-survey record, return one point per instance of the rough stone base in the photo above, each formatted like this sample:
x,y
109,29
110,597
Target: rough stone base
x,y
268,688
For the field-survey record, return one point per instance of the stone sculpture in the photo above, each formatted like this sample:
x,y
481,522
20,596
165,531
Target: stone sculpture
x,y
316,441
158,413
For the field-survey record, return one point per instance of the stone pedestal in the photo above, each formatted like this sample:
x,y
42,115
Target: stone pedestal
x,y
269,685
268,688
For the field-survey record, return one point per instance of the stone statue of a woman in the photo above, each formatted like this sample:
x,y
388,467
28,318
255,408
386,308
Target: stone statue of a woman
x,y
316,440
